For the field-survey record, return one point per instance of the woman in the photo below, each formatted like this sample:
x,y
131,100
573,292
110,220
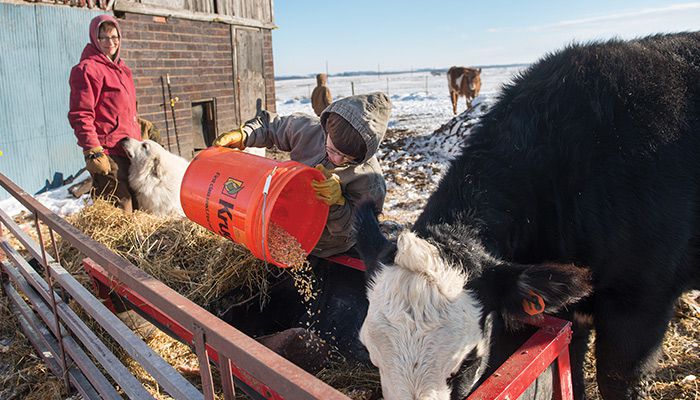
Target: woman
x,y
103,111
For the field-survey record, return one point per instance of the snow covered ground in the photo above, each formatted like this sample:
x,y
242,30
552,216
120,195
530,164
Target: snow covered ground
x,y
58,200
422,134
421,100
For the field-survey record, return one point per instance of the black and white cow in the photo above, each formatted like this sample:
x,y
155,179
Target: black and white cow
x,y
587,169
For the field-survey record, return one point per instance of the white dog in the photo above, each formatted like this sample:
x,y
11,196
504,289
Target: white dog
x,y
155,175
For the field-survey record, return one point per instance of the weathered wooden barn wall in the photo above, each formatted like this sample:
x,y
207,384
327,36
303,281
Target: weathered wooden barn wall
x,y
39,44
249,70
269,71
259,10
254,10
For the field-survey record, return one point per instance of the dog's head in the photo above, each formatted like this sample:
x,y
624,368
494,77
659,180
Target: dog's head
x,y
145,156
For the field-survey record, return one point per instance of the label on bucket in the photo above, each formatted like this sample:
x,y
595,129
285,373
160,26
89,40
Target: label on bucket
x,y
224,205
232,187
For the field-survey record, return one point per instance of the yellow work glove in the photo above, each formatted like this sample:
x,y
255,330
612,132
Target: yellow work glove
x,y
328,190
234,139
96,162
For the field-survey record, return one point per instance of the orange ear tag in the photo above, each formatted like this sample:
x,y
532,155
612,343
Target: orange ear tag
x,y
533,305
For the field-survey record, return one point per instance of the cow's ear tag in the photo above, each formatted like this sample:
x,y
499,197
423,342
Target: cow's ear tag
x,y
534,304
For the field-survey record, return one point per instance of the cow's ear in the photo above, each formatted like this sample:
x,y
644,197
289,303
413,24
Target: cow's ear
x,y
374,248
529,290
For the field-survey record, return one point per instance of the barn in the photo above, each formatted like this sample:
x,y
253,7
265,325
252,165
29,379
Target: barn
x,y
217,55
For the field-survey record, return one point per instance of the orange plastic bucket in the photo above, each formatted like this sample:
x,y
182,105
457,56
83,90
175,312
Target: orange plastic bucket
x,y
239,196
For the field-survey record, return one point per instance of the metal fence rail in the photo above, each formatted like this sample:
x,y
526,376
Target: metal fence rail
x,y
236,351
548,346
47,345
163,372
100,383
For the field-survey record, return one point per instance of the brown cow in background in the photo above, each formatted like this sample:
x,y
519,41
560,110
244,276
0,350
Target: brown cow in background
x,y
463,81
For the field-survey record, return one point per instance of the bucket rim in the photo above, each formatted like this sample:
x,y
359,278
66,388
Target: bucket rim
x,y
286,171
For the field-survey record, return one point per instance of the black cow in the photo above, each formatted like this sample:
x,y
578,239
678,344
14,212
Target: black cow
x,y
586,169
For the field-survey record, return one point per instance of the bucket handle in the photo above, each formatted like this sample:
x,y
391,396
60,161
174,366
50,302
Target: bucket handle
x,y
263,237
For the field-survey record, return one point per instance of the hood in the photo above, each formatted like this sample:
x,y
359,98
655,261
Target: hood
x,y
367,113
321,79
94,32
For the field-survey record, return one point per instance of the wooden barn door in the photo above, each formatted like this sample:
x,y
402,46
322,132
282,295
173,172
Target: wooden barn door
x,y
249,78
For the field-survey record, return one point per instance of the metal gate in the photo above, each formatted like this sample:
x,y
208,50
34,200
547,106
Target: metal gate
x,y
63,339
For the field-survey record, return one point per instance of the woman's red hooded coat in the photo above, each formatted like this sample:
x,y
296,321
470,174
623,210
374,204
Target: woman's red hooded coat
x,y
102,97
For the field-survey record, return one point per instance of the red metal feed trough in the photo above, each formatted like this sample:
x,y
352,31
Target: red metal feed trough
x,y
548,344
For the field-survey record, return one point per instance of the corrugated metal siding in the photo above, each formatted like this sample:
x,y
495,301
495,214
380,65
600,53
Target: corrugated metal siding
x,y
68,30
39,45
21,114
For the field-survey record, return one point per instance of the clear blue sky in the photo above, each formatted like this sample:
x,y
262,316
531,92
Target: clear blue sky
x,y
392,35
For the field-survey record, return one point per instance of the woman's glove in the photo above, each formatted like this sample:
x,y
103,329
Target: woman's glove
x,y
234,139
328,190
96,162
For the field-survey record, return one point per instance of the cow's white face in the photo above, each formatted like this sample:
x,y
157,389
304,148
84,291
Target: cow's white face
x,y
421,323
